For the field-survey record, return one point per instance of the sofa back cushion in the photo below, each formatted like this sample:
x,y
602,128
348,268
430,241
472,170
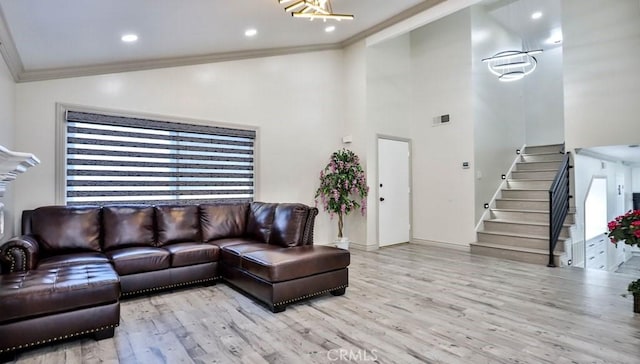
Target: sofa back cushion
x,y
288,224
60,228
177,224
125,226
221,221
260,221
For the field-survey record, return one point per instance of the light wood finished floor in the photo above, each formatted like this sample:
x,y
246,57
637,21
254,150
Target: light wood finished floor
x,y
406,304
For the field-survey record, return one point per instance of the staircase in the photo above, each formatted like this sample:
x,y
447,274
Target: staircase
x,y
517,227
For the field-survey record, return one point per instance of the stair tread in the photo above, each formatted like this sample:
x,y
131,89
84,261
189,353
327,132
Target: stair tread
x,y
526,189
516,235
542,153
530,179
515,248
524,223
521,210
523,199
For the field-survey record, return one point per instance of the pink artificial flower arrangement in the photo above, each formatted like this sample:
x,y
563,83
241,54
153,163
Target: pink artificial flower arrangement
x,y
343,186
625,228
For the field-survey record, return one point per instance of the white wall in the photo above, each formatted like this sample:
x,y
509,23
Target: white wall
x,y
7,119
544,100
601,78
498,108
388,72
297,101
357,227
443,198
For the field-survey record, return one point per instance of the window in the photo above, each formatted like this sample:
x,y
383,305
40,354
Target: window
x,y
114,159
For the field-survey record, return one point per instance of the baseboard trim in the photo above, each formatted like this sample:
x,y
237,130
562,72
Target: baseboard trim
x,y
363,247
455,246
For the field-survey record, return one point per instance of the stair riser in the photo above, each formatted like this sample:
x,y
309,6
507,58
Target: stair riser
x,y
556,148
529,184
553,157
533,175
537,165
535,195
522,229
522,205
526,257
527,216
519,241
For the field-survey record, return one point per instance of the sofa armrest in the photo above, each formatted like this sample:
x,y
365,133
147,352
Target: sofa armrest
x,y
20,253
307,238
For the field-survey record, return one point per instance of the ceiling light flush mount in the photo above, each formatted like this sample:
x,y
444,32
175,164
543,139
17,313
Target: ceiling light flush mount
x,y
313,9
330,28
536,15
250,32
512,65
129,38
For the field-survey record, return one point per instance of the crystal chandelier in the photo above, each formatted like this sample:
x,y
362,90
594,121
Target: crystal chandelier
x,y
313,9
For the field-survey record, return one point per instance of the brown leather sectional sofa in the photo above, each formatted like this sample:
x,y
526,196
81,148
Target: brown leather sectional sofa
x,y
64,276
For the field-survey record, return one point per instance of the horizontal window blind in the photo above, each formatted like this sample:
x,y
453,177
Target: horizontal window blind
x,y
113,159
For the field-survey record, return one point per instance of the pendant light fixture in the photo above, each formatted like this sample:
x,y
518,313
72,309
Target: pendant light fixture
x,y
512,65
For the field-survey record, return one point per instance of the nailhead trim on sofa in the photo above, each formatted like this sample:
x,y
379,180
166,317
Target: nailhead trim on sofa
x,y
170,286
45,341
310,295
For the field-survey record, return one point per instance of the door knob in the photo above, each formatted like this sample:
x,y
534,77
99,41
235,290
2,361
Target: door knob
x,y
381,198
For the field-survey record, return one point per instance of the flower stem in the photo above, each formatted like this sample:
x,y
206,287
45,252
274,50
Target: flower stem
x,y
340,224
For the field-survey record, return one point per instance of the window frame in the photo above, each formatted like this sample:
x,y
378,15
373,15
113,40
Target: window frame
x,y
61,142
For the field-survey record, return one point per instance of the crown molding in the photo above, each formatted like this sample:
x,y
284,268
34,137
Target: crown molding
x,y
11,56
8,49
118,67
416,9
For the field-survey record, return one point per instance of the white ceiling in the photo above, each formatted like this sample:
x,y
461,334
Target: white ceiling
x,y
515,15
621,153
62,34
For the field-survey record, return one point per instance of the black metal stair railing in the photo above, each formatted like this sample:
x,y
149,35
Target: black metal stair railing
x,y
559,195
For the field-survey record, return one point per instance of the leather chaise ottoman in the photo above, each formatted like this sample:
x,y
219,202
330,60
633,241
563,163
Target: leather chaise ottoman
x,y
280,276
42,305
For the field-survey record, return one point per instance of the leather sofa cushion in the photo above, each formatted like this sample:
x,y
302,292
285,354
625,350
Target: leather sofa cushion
x,y
139,259
288,224
220,221
71,259
127,226
183,254
290,263
60,228
260,221
47,291
177,224
231,254
233,241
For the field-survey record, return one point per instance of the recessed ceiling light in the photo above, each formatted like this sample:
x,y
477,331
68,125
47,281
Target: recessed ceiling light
x,y
129,38
330,28
536,15
250,32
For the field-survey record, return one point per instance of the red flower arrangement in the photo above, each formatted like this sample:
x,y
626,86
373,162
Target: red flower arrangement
x,y
625,228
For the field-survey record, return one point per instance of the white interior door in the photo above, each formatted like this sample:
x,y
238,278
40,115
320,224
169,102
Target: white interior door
x,y
393,192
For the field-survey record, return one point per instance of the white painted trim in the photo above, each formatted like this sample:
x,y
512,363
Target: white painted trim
x,y
13,163
456,246
61,136
8,49
492,202
432,14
